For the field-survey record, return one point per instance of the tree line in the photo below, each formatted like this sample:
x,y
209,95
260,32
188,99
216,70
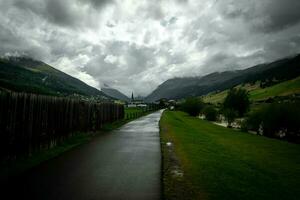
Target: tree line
x,y
277,119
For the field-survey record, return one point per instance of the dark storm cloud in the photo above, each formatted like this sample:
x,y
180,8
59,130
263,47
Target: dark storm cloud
x,y
55,11
265,16
282,47
60,12
281,14
136,45
64,13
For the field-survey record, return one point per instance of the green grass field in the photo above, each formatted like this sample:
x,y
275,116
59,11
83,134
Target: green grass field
x,y
133,110
221,163
215,98
281,89
256,93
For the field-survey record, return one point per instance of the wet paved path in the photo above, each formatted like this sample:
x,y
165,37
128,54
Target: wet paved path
x,y
123,164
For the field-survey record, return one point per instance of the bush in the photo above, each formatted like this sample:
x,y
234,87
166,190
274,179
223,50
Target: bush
x,y
210,113
276,118
192,106
237,100
254,120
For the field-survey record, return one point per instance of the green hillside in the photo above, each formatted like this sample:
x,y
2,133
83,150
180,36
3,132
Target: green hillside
x,y
256,93
282,89
28,75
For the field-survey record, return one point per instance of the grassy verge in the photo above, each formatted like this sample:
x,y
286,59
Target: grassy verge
x,y
206,161
21,165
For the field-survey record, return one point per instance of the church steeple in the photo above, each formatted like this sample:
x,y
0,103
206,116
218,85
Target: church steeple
x,y
132,98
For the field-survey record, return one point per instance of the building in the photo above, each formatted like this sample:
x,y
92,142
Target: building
x,y
136,103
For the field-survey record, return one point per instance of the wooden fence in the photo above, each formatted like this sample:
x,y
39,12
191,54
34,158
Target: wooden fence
x,y
30,123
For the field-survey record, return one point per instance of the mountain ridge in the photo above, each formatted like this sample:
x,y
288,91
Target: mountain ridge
x,y
106,89
24,74
178,88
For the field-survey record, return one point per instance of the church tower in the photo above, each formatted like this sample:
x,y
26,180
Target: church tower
x,y
132,98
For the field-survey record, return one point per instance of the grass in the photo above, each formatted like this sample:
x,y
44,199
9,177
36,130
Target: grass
x,y
215,97
129,111
281,89
221,163
256,93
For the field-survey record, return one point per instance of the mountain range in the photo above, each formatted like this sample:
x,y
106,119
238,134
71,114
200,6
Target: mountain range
x,y
23,74
178,88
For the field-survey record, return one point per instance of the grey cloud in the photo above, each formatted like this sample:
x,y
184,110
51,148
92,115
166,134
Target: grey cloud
x,y
171,21
99,3
60,12
264,16
282,47
152,9
55,11
30,5
281,14
227,61
12,42
126,50
136,59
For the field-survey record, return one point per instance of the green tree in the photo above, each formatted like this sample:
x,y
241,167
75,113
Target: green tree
x,y
237,100
230,116
192,106
277,117
210,113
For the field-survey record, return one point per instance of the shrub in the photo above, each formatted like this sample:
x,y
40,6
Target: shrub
x,y
210,113
237,100
275,118
192,106
254,120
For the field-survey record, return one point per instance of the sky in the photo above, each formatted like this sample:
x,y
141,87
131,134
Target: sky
x,y
135,45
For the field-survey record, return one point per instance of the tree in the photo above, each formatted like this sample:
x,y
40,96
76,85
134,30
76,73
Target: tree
x,y
238,101
275,118
210,113
230,116
162,103
192,106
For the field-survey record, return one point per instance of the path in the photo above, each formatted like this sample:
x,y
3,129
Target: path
x,y
123,164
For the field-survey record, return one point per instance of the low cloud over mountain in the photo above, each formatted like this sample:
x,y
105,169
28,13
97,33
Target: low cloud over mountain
x,y
136,45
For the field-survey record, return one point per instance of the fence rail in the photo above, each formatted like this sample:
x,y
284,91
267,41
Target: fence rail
x,y
30,123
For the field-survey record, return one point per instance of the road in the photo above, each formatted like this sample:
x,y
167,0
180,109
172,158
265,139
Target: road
x,y
122,164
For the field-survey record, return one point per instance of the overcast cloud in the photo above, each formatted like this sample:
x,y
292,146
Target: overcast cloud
x,y
136,45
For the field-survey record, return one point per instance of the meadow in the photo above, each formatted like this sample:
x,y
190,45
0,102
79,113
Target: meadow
x,y
257,94
204,161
